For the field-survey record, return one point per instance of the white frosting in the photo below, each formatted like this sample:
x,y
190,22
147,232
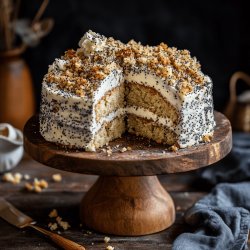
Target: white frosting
x,y
58,65
92,42
114,79
138,111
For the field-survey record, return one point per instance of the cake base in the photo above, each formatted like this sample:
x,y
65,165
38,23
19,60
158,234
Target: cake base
x,y
127,206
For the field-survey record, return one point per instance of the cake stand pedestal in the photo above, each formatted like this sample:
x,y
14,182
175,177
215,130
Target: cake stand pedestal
x,y
128,198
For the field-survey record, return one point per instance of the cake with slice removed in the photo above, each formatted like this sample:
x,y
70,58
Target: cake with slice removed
x,y
94,94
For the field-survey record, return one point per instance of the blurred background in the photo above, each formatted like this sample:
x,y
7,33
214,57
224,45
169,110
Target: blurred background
x,y
216,32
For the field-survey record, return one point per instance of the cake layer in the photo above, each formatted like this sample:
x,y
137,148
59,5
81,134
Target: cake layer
x,y
108,132
75,136
110,102
150,99
150,129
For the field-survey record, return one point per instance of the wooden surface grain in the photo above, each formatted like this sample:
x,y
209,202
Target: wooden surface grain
x,y
65,196
145,158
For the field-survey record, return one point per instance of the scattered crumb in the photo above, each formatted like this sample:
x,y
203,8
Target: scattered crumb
x,y
52,226
18,177
59,222
65,225
109,151
28,186
123,150
8,177
110,248
173,148
53,213
26,177
58,219
106,239
12,178
37,186
206,138
37,189
178,208
89,232
40,183
36,181
129,148
57,177
43,184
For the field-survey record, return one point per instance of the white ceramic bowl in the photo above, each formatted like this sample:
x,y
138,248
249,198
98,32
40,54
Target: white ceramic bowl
x,y
11,147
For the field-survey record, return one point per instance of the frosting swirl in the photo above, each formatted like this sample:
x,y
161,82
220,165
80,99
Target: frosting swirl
x,y
92,42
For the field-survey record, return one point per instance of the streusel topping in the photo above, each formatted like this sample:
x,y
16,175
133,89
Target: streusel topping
x,y
80,72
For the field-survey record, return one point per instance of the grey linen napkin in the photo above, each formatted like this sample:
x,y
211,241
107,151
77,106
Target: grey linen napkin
x,y
221,220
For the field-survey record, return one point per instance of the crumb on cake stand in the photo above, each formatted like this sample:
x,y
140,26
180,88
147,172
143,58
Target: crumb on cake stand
x,y
128,198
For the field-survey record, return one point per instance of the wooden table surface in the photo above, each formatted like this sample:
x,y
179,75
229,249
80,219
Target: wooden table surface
x,y
65,196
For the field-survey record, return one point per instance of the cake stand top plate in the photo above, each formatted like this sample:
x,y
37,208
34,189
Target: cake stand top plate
x,y
145,158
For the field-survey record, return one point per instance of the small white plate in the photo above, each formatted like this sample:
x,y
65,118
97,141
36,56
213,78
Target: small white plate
x,y
11,147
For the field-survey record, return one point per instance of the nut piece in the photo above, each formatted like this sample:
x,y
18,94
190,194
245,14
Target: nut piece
x,y
8,177
52,226
43,184
65,225
106,239
26,177
29,186
110,248
109,151
206,138
53,213
37,186
12,178
57,177
173,148
37,189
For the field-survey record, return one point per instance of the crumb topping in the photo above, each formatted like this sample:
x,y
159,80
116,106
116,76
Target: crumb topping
x,y
80,71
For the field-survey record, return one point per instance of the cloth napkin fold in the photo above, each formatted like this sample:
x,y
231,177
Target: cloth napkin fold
x,y
221,220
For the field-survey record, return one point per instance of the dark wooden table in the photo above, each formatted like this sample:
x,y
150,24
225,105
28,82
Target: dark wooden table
x,y
65,196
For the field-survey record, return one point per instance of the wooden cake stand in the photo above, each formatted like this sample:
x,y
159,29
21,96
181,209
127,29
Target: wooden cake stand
x,y
127,198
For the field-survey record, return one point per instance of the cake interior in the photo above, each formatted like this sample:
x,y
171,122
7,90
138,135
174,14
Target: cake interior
x,y
130,105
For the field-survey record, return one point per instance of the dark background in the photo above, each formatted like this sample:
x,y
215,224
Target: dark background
x,y
216,32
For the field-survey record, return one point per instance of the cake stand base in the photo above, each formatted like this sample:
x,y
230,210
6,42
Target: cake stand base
x,y
127,206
